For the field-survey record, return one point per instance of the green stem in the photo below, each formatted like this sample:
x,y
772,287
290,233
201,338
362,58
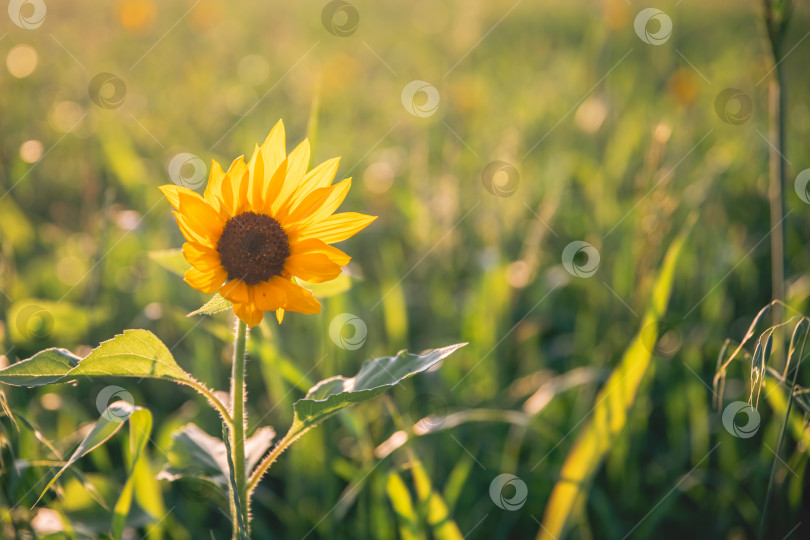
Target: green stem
x,y
238,432
776,16
215,402
239,526
268,460
776,96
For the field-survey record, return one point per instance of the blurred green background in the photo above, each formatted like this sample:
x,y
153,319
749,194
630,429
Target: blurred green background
x,y
613,141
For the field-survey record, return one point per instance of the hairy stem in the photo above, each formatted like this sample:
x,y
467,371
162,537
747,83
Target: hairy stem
x,y
269,459
238,431
214,401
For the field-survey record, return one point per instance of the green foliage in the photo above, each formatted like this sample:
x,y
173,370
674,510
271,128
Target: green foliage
x,y
375,377
135,353
110,422
140,429
612,407
194,454
215,305
617,153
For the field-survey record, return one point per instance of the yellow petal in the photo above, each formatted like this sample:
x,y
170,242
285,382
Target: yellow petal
x,y
207,282
297,163
213,191
248,313
200,215
318,205
300,299
335,228
315,245
256,179
191,233
236,291
274,150
319,177
172,193
234,187
200,256
280,315
273,187
312,267
270,295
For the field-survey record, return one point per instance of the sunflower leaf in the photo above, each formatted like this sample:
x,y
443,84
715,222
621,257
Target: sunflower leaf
x,y
45,367
215,305
135,353
375,377
196,454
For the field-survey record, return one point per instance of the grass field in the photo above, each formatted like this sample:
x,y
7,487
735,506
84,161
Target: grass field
x,y
530,126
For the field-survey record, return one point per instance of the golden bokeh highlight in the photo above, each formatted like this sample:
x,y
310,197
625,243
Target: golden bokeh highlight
x,y
31,151
21,61
137,16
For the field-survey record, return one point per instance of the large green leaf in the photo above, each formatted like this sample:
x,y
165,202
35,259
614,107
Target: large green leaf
x,y
45,367
331,395
375,377
196,454
135,353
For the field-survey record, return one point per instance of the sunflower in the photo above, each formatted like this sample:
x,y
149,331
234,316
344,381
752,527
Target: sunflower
x,y
263,224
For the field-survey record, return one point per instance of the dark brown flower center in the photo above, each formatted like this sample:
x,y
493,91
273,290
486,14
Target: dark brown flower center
x,y
253,248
